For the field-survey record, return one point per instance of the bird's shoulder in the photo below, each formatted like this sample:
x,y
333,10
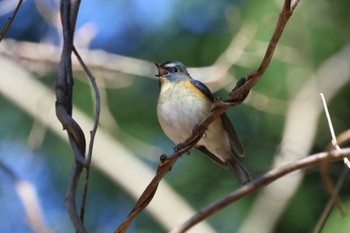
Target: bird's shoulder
x,y
200,87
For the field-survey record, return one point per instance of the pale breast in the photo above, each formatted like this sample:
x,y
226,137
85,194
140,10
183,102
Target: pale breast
x,y
179,110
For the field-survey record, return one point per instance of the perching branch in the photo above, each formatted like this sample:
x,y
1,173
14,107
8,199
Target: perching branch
x,y
164,166
237,96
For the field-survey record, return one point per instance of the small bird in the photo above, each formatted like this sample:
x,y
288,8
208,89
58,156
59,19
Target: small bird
x,y
183,103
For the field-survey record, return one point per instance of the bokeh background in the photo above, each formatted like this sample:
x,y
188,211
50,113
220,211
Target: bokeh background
x,y
281,121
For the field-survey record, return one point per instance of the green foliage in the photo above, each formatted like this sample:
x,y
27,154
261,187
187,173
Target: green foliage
x,y
337,222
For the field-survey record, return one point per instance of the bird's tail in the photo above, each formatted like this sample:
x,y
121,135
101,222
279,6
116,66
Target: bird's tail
x,y
239,170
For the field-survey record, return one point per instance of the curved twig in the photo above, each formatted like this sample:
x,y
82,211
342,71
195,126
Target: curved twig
x,y
92,132
64,86
64,94
9,22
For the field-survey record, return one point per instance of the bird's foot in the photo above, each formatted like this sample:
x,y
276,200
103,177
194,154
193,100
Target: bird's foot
x,y
240,83
178,147
162,158
197,130
244,94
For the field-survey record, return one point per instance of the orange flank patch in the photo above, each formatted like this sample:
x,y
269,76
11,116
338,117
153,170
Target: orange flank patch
x,y
190,86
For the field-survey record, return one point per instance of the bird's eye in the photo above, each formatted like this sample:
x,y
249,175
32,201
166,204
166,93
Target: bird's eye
x,y
175,69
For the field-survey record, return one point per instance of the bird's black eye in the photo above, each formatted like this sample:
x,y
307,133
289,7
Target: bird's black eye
x,y
175,69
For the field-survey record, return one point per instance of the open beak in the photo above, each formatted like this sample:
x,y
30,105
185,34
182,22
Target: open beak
x,y
161,70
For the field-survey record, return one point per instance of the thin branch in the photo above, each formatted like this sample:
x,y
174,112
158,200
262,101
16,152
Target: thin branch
x,y
237,96
97,104
164,166
254,77
64,93
9,22
70,200
92,132
343,137
330,124
64,86
324,167
262,181
328,208
74,9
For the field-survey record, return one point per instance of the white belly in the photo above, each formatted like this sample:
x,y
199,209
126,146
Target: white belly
x,y
178,116
180,110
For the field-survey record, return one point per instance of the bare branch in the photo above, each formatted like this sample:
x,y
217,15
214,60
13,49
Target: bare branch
x,y
64,94
9,22
64,91
327,210
97,104
330,124
262,181
92,132
333,192
164,166
331,129
326,180
254,77
300,129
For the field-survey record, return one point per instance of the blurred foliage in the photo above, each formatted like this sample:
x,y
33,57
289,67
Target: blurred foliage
x,y
195,32
337,222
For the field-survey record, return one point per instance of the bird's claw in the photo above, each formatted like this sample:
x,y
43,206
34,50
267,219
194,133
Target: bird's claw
x,y
162,158
178,147
239,83
197,130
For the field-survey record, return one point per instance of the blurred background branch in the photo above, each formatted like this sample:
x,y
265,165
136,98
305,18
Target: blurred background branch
x,y
28,197
300,129
106,65
260,182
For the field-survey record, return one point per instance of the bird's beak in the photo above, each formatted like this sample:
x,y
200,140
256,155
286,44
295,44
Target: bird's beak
x,y
161,70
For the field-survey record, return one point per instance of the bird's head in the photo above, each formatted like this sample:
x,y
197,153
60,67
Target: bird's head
x,y
173,71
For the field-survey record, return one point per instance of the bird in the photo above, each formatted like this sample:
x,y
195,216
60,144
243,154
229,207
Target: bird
x,y
182,104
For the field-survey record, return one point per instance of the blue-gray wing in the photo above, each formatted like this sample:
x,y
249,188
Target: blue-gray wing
x,y
203,88
236,146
